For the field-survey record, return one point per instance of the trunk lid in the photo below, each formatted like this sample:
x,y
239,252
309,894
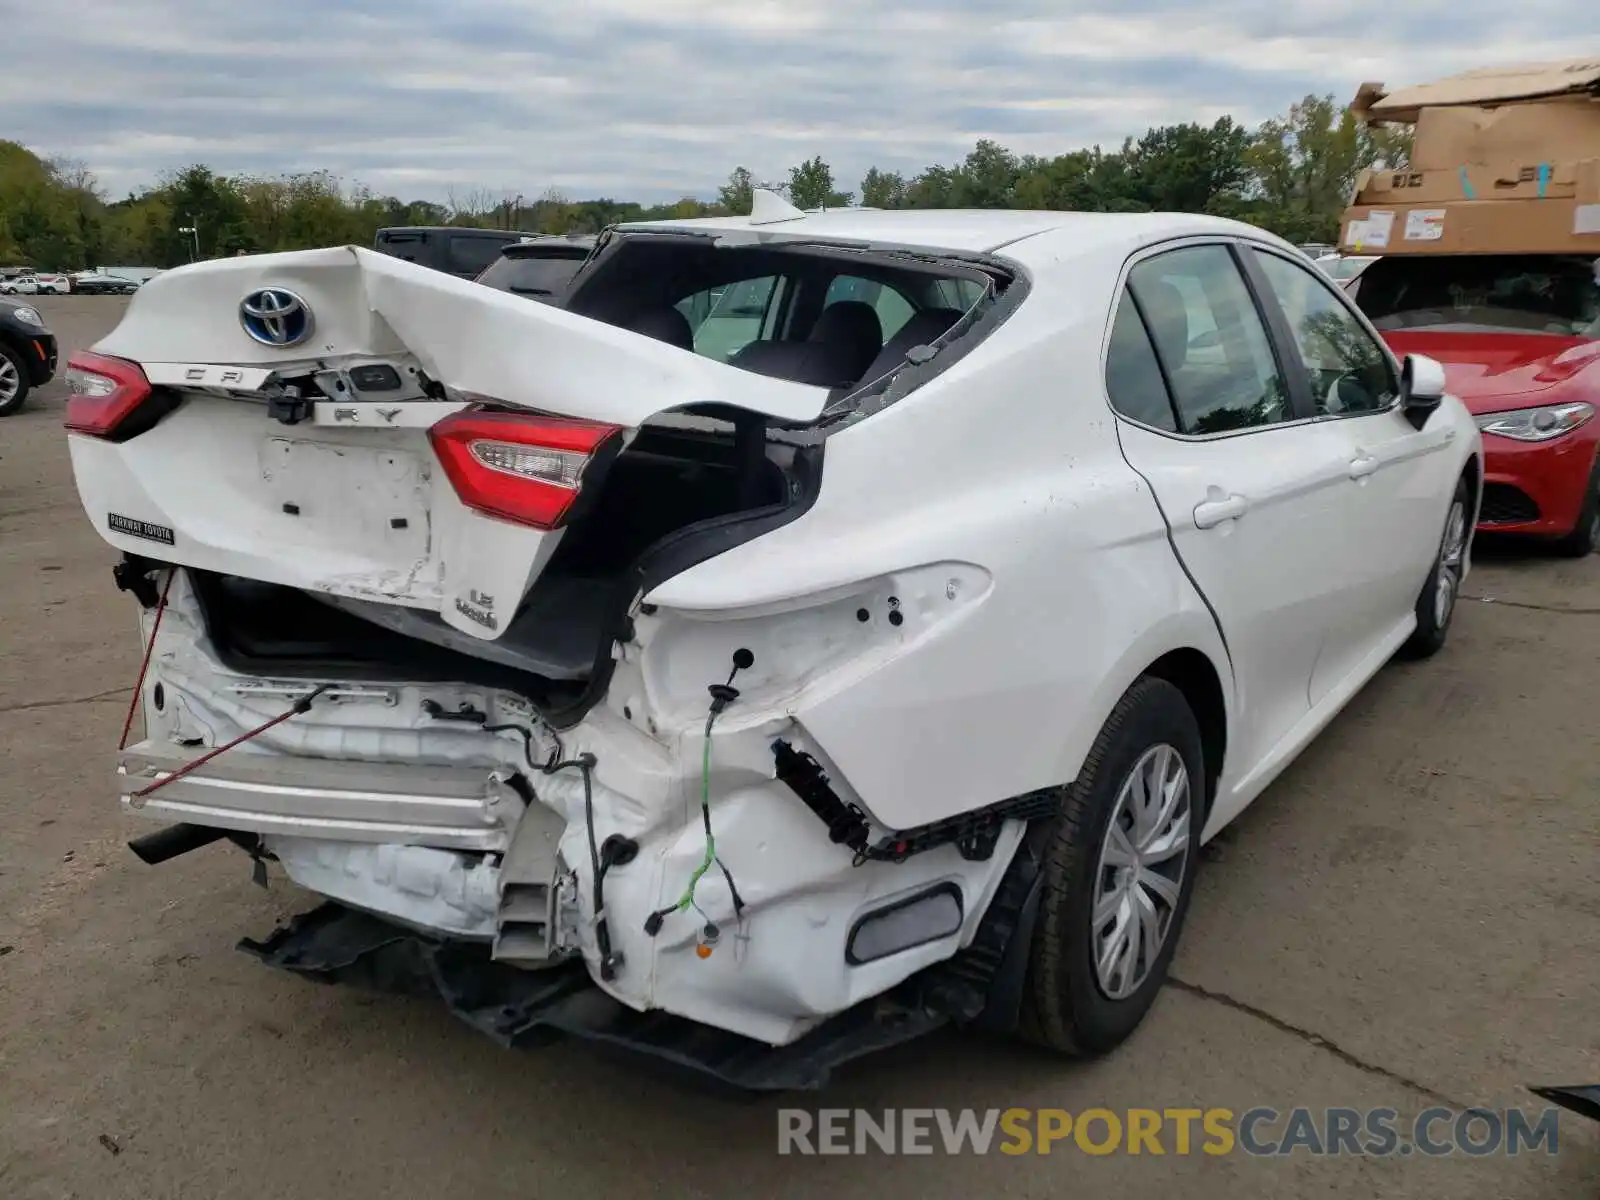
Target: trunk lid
x,y
332,485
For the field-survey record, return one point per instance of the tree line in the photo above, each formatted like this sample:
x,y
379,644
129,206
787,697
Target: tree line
x,y
1292,174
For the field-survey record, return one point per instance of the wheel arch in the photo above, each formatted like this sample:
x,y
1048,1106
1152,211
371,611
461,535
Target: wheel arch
x,y
1473,474
1193,673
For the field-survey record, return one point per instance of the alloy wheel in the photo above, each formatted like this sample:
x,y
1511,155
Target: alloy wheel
x,y
10,381
1452,551
1139,879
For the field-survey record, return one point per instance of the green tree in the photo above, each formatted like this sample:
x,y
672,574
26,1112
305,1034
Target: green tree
x,y
1189,168
737,196
933,188
986,178
883,189
811,186
1304,165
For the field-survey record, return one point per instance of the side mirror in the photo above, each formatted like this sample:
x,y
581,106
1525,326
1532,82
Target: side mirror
x,y
1421,388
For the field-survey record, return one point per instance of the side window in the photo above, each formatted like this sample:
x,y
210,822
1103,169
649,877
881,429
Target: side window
x,y
1133,377
959,294
1348,370
893,309
1210,341
728,317
471,254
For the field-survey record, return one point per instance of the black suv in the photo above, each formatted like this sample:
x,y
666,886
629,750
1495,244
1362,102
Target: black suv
x,y
540,269
27,354
455,249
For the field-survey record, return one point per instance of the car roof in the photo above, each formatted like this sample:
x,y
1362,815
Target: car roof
x,y
971,230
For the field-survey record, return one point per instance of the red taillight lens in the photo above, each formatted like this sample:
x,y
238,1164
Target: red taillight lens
x,y
102,392
527,469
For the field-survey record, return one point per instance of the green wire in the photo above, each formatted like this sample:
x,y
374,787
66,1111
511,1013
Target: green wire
x,y
686,901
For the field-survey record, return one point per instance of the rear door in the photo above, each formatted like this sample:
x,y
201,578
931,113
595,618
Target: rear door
x,y
1252,490
1398,473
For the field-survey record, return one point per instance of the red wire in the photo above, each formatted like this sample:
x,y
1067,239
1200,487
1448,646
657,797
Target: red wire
x,y
243,737
138,684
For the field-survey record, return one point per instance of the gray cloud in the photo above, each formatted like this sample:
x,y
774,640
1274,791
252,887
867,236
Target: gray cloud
x,y
661,99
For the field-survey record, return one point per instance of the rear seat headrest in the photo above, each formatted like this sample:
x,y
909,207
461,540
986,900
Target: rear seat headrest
x,y
922,329
665,325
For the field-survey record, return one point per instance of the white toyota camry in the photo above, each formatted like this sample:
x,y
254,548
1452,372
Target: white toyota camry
x,y
818,628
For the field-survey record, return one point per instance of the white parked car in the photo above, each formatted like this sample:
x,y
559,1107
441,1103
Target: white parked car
x,y
893,671
36,285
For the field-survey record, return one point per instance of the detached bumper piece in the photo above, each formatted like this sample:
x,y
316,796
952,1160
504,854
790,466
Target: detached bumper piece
x,y
520,1009
981,985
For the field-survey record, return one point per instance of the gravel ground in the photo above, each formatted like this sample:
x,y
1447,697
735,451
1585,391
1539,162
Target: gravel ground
x,y
1410,916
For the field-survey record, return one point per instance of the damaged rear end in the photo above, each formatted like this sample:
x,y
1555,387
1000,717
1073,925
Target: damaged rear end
x,y
395,538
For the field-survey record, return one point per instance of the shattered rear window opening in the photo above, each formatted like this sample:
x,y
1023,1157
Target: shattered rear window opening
x,y
842,316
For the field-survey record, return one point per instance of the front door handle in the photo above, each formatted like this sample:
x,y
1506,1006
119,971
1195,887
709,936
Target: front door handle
x,y
1210,513
1362,465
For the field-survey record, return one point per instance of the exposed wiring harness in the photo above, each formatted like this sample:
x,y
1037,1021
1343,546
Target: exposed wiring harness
x,y
722,695
616,851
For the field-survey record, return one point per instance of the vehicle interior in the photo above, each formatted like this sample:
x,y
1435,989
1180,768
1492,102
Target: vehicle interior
x,y
807,315
1509,293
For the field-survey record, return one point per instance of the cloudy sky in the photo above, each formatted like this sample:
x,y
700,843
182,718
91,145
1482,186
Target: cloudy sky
x,y
653,99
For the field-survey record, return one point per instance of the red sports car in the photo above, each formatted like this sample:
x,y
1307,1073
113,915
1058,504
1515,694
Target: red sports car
x,y
1519,337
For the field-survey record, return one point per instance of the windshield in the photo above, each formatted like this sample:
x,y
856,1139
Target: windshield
x,y
539,275
1487,293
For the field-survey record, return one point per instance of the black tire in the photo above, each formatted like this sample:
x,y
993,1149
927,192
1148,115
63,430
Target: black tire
x,y
1585,536
1433,614
1066,1007
13,362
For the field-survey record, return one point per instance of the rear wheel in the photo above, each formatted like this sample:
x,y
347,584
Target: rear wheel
x,y
13,381
1585,535
1436,605
1118,872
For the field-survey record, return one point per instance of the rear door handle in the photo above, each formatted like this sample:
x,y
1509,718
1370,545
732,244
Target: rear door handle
x,y
1362,465
1210,513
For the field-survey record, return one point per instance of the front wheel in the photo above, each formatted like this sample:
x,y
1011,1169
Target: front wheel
x,y
1119,867
1436,605
13,381
1585,536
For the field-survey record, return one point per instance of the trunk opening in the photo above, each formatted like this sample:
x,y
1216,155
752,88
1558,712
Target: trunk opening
x,y
674,497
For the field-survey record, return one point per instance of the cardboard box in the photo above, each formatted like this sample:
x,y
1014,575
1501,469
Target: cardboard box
x,y
1487,87
1552,131
1473,227
1512,180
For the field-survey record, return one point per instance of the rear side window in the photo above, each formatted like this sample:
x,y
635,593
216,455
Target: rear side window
x,y
540,276
728,317
470,255
1210,341
402,245
1133,377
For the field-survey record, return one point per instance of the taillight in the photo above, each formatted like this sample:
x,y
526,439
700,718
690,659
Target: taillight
x,y
102,393
523,468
